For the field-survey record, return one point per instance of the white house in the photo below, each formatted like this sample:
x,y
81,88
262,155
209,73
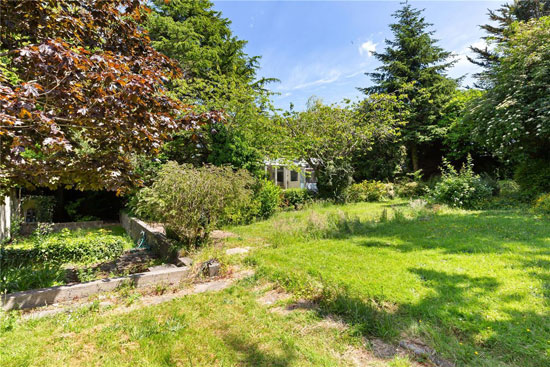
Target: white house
x,y
295,175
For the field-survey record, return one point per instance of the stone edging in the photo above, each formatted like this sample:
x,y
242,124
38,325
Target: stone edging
x,y
47,296
154,236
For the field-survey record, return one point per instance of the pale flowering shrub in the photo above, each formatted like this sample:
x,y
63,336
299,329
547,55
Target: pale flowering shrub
x,y
461,189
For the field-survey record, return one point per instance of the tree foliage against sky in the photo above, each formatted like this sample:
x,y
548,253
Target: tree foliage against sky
x,y
513,117
81,89
220,76
413,65
502,18
328,136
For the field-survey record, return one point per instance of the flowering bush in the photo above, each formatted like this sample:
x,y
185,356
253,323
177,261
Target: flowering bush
x,y
461,189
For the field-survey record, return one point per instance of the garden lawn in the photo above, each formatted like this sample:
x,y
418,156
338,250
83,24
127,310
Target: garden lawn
x,y
474,285
229,328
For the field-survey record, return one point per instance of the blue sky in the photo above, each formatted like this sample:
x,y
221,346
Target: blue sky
x,y
322,48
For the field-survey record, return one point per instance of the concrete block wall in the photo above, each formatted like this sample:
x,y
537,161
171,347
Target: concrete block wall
x,y
5,217
155,236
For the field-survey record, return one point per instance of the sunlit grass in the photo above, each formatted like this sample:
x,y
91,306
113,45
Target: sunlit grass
x,y
474,285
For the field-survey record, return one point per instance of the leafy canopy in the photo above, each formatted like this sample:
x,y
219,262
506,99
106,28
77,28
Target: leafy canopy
x,y
513,117
81,89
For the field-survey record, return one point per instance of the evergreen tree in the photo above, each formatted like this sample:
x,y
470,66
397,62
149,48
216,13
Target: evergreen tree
x,y
220,75
415,66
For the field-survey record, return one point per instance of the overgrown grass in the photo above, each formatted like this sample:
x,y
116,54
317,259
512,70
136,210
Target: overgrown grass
x,y
223,329
475,285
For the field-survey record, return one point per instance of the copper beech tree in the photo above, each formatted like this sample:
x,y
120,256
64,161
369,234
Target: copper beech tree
x,y
81,91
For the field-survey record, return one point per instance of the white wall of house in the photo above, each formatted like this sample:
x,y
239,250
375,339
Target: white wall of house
x,y
5,217
286,178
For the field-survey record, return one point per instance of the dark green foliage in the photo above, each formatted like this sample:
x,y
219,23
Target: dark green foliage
x,y
533,177
333,179
191,202
220,76
384,160
217,144
268,196
461,189
414,66
513,116
25,277
44,206
296,198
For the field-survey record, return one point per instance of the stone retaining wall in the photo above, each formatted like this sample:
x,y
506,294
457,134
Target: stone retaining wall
x,y
47,296
155,236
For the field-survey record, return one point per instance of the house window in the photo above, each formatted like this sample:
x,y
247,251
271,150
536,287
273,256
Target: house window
x,y
293,176
280,175
30,216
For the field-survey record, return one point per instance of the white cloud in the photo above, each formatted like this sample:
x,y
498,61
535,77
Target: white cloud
x,y
367,48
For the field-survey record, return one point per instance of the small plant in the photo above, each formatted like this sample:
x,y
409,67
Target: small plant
x,y
296,198
268,197
542,204
461,189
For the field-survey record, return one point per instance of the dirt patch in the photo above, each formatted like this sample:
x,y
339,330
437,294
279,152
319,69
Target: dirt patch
x,y
300,305
421,350
273,296
333,322
221,235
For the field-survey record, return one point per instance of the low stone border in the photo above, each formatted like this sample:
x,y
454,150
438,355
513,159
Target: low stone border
x,y
47,296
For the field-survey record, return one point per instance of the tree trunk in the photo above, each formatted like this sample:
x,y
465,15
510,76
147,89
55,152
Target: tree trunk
x,y
414,157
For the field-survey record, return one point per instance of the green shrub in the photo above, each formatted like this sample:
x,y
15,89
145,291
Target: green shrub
x,y
367,191
295,198
411,189
191,202
542,204
533,177
462,189
268,197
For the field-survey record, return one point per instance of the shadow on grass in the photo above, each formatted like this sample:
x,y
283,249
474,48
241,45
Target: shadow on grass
x,y
453,319
458,312
252,354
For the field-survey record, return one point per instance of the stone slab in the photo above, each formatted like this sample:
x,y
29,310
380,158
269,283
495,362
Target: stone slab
x,y
47,296
237,250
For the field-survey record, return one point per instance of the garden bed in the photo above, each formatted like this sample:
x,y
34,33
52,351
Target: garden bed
x,y
48,260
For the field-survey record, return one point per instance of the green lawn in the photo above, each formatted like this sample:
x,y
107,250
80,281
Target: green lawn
x,y
229,328
473,285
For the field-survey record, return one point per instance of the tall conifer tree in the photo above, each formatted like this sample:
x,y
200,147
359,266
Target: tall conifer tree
x,y
414,65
